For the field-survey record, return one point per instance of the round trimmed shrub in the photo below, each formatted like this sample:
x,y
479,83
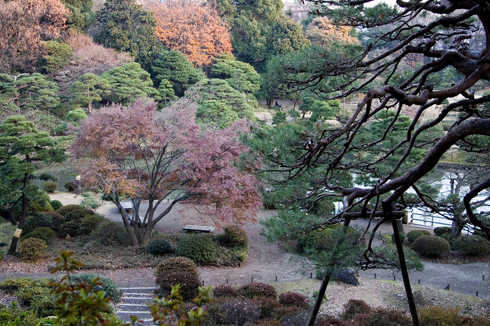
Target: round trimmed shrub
x,y
78,214
176,263
32,249
413,235
50,187
354,307
68,208
267,306
68,228
109,286
426,232
252,290
294,299
473,245
234,236
56,204
56,219
431,246
36,221
200,248
159,247
109,232
224,290
89,223
441,230
43,233
189,283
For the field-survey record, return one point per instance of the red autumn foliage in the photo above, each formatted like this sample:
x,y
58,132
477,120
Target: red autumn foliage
x,y
166,156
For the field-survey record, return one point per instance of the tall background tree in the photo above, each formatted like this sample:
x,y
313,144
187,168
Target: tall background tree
x,y
125,26
165,156
23,25
194,29
259,30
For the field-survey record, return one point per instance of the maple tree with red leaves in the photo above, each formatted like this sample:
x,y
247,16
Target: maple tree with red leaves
x,y
23,25
195,30
165,157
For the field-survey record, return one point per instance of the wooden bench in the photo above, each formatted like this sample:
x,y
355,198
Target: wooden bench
x,y
198,228
128,206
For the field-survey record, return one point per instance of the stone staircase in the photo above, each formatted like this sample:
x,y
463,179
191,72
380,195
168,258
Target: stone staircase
x,y
134,302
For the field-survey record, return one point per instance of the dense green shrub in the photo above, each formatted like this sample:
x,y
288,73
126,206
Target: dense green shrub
x,y
200,248
441,230
431,246
32,249
14,315
89,223
426,232
189,283
109,232
452,239
177,263
413,235
56,204
70,186
294,299
56,219
234,236
36,221
108,286
473,245
68,228
290,316
159,247
68,208
255,289
224,290
78,214
402,237
42,233
50,187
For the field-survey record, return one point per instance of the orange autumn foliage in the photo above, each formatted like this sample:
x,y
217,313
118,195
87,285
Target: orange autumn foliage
x,y
196,31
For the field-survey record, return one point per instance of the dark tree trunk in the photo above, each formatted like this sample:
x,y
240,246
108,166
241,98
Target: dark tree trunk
x,y
456,228
319,299
18,231
8,214
403,265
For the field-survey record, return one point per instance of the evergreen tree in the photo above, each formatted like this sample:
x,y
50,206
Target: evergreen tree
x,y
21,147
240,75
260,30
220,90
174,67
81,13
215,114
125,26
165,93
129,82
27,92
87,89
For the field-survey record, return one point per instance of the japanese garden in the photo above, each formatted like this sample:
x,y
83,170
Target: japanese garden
x,y
245,162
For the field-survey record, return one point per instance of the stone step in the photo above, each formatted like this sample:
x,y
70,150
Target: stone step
x,y
137,300
146,318
132,307
138,290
